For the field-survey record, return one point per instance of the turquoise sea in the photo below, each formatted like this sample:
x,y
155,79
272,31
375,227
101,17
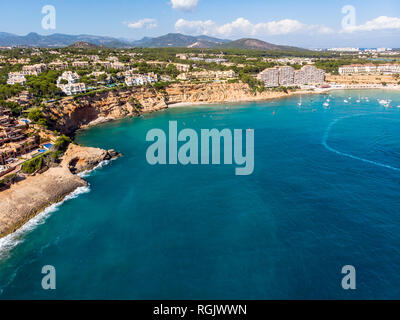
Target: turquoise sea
x,y
325,193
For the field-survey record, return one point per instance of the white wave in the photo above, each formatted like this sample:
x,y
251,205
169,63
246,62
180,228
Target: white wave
x,y
325,144
87,173
12,240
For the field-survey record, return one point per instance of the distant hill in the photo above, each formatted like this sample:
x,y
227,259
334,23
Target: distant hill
x,y
255,44
57,40
179,40
83,45
176,40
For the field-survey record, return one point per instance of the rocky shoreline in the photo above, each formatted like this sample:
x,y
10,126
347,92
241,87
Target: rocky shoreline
x,y
27,198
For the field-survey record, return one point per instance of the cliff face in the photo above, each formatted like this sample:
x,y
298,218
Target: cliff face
x,y
216,93
71,114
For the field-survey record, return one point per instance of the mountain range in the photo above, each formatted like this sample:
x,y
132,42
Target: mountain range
x,y
169,40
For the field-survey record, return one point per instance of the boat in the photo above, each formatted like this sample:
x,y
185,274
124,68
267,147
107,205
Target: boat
x,y
345,101
300,102
384,102
326,104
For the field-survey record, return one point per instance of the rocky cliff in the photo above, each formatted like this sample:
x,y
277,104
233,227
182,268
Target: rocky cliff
x,y
71,114
28,197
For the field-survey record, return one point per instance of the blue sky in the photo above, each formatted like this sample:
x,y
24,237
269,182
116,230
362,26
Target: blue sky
x,y
308,23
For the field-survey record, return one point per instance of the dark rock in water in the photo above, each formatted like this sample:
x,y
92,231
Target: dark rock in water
x,y
112,154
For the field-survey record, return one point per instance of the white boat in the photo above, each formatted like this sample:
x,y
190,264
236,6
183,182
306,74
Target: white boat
x,y
328,100
345,101
326,104
300,102
384,102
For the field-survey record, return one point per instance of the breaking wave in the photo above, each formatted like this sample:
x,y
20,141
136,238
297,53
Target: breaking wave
x,y
87,173
12,240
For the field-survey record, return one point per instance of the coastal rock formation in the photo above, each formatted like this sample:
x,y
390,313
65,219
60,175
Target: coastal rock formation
x,y
71,114
27,198
24,199
78,159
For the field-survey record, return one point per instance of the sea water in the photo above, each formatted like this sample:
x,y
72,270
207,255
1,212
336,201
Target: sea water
x,y
325,193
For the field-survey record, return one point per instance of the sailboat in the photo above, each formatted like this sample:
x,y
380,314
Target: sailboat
x,y
384,102
359,99
300,102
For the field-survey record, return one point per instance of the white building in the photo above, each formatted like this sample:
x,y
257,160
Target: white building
x,y
369,68
16,77
72,86
140,79
71,77
357,69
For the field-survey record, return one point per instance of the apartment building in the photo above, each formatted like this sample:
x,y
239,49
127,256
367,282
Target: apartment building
x,y
270,77
357,69
207,75
58,65
182,67
105,64
309,75
34,70
288,76
369,68
80,64
71,86
182,56
388,68
119,65
16,78
140,79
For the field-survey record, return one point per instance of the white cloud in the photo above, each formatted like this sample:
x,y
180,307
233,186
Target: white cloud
x,y
143,23
380,23
195,27
243,27
184,5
